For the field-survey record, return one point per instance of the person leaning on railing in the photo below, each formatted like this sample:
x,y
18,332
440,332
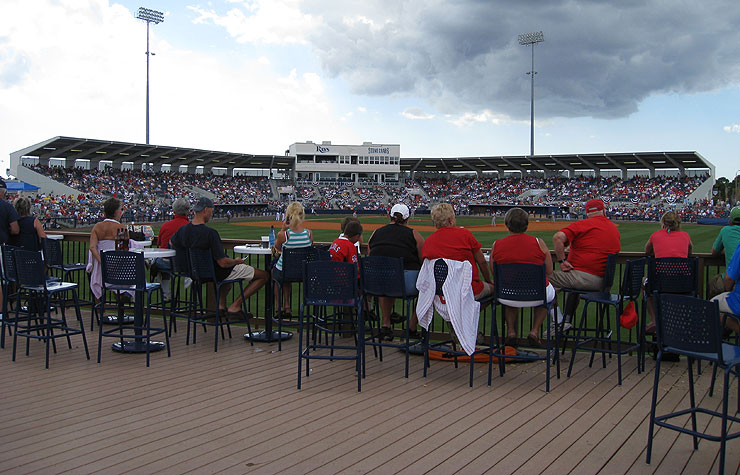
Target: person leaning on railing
x,y
726,243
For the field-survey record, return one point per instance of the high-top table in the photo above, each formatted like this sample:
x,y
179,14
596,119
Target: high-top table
x,y
138,345
268,334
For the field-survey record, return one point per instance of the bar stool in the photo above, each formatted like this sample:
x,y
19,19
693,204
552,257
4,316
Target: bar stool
x,y
124,272
39,294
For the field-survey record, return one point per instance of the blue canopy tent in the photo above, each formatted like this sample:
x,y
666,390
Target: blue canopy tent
x,y
20,186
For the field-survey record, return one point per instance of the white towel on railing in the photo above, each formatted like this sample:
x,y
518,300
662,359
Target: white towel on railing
x,y
459,307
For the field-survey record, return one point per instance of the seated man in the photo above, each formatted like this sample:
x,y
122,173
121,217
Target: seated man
x,y
591,240
729,301
197,235
181,208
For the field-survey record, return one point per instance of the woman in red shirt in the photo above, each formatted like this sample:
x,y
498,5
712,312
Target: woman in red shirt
x,y
520,247
458,244
669,241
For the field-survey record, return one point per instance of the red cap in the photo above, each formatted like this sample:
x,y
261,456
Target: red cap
x,y
628,319
594,205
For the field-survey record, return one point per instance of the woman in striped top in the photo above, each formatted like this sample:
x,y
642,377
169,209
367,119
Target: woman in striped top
x,y
292,235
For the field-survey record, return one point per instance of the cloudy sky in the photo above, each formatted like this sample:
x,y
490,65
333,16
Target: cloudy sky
x,y
440,78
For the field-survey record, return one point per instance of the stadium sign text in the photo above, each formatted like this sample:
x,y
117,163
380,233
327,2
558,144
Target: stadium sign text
x,y
321,149
385,150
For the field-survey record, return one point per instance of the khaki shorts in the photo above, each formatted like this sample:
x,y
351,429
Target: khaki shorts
x,y
722,299
241,271
486,291
576,279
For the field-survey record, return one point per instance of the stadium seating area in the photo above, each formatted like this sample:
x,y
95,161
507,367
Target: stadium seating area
x,y
147,195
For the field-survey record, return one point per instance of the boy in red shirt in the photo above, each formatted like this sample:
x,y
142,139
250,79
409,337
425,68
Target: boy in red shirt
x,y
343,248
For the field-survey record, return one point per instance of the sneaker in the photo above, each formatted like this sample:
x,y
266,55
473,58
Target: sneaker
x,y
386,334
567,326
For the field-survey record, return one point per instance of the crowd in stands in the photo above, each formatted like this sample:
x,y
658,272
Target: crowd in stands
x,y
149,194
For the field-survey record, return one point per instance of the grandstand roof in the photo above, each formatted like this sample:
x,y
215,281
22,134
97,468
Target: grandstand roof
x,y
72,148
556,163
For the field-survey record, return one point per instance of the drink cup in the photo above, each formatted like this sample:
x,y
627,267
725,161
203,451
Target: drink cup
x,y
265,241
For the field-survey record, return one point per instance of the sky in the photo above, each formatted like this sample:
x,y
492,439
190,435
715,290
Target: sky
x,y
442,78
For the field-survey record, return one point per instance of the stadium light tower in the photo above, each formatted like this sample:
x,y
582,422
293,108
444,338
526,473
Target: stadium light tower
x,y
149,16
532,39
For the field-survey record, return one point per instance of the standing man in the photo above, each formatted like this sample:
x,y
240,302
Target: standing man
x,y
8,220
197,235
590,240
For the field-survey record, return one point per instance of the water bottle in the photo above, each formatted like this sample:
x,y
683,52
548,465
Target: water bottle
x,y
272,237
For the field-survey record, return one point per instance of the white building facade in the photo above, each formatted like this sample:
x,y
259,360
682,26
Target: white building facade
x,y
366,163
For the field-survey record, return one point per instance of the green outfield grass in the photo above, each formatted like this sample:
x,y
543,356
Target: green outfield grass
x,y
634,235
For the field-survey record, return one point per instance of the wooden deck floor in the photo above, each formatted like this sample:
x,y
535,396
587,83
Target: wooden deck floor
x,y
238,411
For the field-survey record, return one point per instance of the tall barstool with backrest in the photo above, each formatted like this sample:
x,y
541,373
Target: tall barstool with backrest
x,y
54,259
40,293
629,291
610,270
384,277
202,272
330,285
449,346
671,275
293,260
9,280
125,272
691,327
521,282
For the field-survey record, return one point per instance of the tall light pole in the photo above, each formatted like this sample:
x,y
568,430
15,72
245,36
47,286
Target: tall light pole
x,y
532,39
149,16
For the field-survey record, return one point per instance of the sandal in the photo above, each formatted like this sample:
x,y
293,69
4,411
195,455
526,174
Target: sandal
x,y
511,341
386,334
397,318
534,340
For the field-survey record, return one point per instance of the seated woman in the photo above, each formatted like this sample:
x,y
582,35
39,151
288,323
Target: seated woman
x,y
520,247
102,238
397,239
459,244
31,231
292,235
668,241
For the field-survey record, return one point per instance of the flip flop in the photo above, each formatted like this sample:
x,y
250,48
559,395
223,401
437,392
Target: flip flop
x,y
534,340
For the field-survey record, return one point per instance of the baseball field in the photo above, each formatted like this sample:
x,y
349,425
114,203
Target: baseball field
x,y
326,228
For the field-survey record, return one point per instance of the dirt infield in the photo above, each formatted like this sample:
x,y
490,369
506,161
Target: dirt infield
x,y
313,224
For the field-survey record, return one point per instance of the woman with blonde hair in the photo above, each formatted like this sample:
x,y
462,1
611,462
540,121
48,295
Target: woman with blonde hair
x,y
292,235
31,230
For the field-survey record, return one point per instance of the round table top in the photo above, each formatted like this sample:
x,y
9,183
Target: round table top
x,y
144,243
252,249
154,252
55,237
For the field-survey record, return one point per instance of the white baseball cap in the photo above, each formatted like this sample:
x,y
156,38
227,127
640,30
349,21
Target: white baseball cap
x,y
400,208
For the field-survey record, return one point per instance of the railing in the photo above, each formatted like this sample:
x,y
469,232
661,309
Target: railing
x,y
75,247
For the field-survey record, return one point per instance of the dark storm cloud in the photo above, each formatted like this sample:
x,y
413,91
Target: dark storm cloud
x,y
599,58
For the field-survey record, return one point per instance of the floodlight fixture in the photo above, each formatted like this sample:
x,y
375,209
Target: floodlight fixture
x,y
156,17
531,39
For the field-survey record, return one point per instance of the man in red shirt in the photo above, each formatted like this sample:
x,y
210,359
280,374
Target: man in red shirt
x,y
181,208
591,240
